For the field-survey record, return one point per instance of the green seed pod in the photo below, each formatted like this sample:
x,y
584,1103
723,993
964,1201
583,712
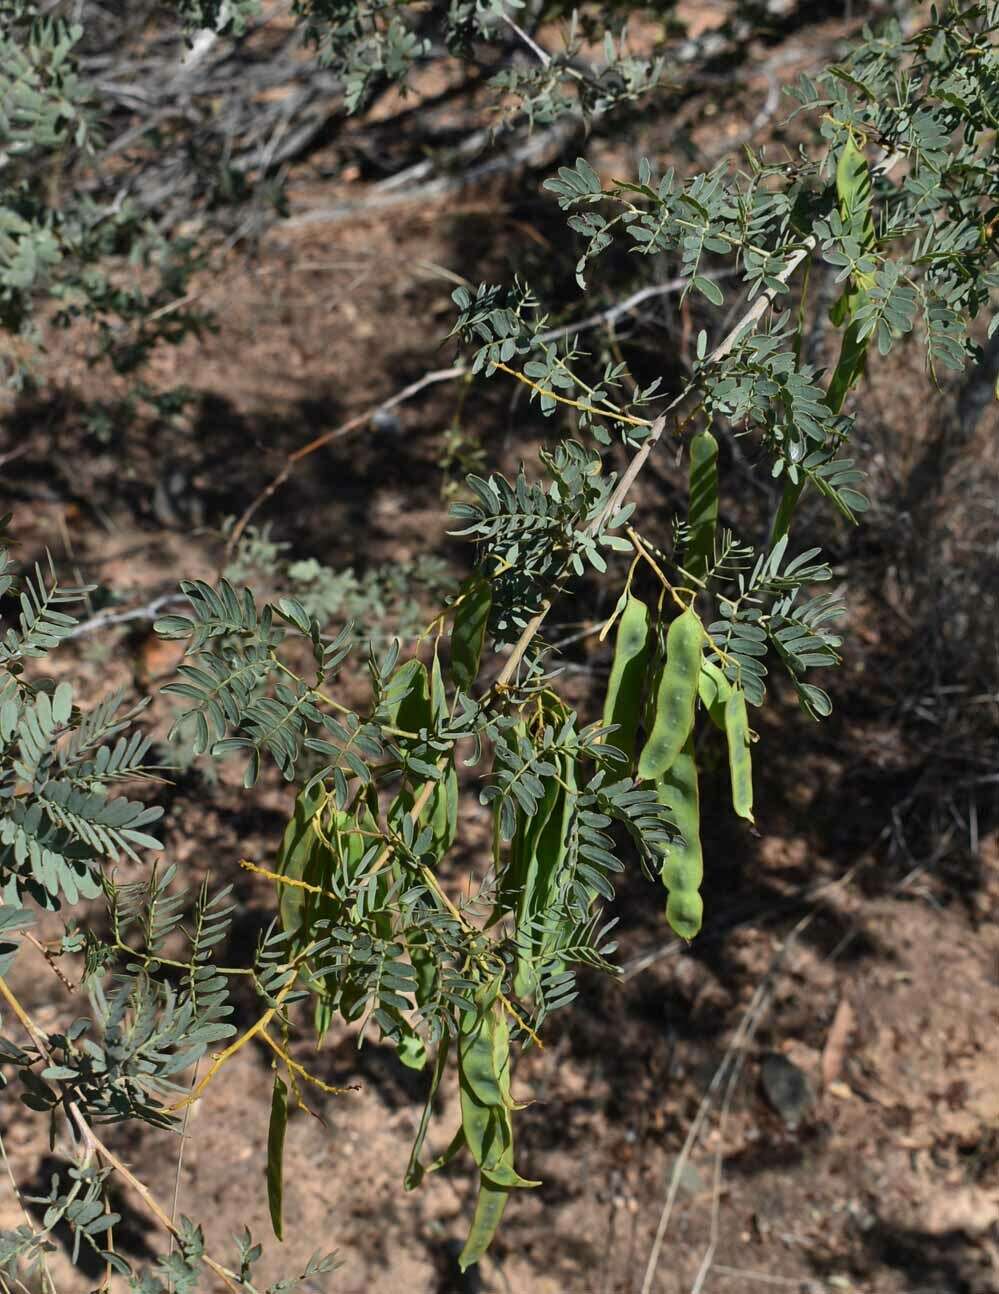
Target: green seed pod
x,y
488,1215
702,510
714,689
627,677
685,914
469,632
677,696
409,705
683,867
740,760
535,932
301,838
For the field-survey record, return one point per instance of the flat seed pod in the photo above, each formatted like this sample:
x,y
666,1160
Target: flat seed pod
x,y
714,689
300,839
626,684
740,759
469,631
702,513
275,1155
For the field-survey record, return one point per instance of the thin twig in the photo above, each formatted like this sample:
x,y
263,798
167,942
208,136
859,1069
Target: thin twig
x,y
730,1065
175,1203
105,618
732,1062
604,317
46,1274
11,454
763,1278
50,957
614,503
543,57
352,424
94,1145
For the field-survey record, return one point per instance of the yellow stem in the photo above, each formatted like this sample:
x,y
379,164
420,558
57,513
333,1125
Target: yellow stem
x,y
295,1068
574,404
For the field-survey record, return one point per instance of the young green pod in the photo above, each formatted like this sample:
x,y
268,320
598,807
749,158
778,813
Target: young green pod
x,y
622,705
714,689
740,760
468,634
702,509
537,922
683,867
488,1214
301,838
275,1154
676,697
408,705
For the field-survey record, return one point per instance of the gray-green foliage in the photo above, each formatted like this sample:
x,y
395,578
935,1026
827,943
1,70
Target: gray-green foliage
x,y
68,239
897,192
64,826
98,247
383,601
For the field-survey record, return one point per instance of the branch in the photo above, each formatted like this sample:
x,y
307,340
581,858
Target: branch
x,y
543,57
352,424
724,347
670,288
148,612
94,1145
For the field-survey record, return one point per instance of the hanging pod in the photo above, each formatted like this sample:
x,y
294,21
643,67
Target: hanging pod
x,y
486,1125
676,697
538,921
629,668
468,633
683,867
740,759
702,509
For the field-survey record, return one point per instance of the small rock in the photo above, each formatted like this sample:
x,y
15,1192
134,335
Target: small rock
x,y
786,1087
384,420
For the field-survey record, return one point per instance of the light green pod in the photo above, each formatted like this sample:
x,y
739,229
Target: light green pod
x,y
537,931
714,689
488,1215
627,677
702,509
683,867
740,760
676,698
301,839
469,632
486,1127
412,711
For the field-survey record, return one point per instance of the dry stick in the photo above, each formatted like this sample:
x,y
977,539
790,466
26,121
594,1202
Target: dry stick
x,y
732,1062
749,319
729,1069
148,612
48,1283
669,288
175,1205
407,393
544,58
